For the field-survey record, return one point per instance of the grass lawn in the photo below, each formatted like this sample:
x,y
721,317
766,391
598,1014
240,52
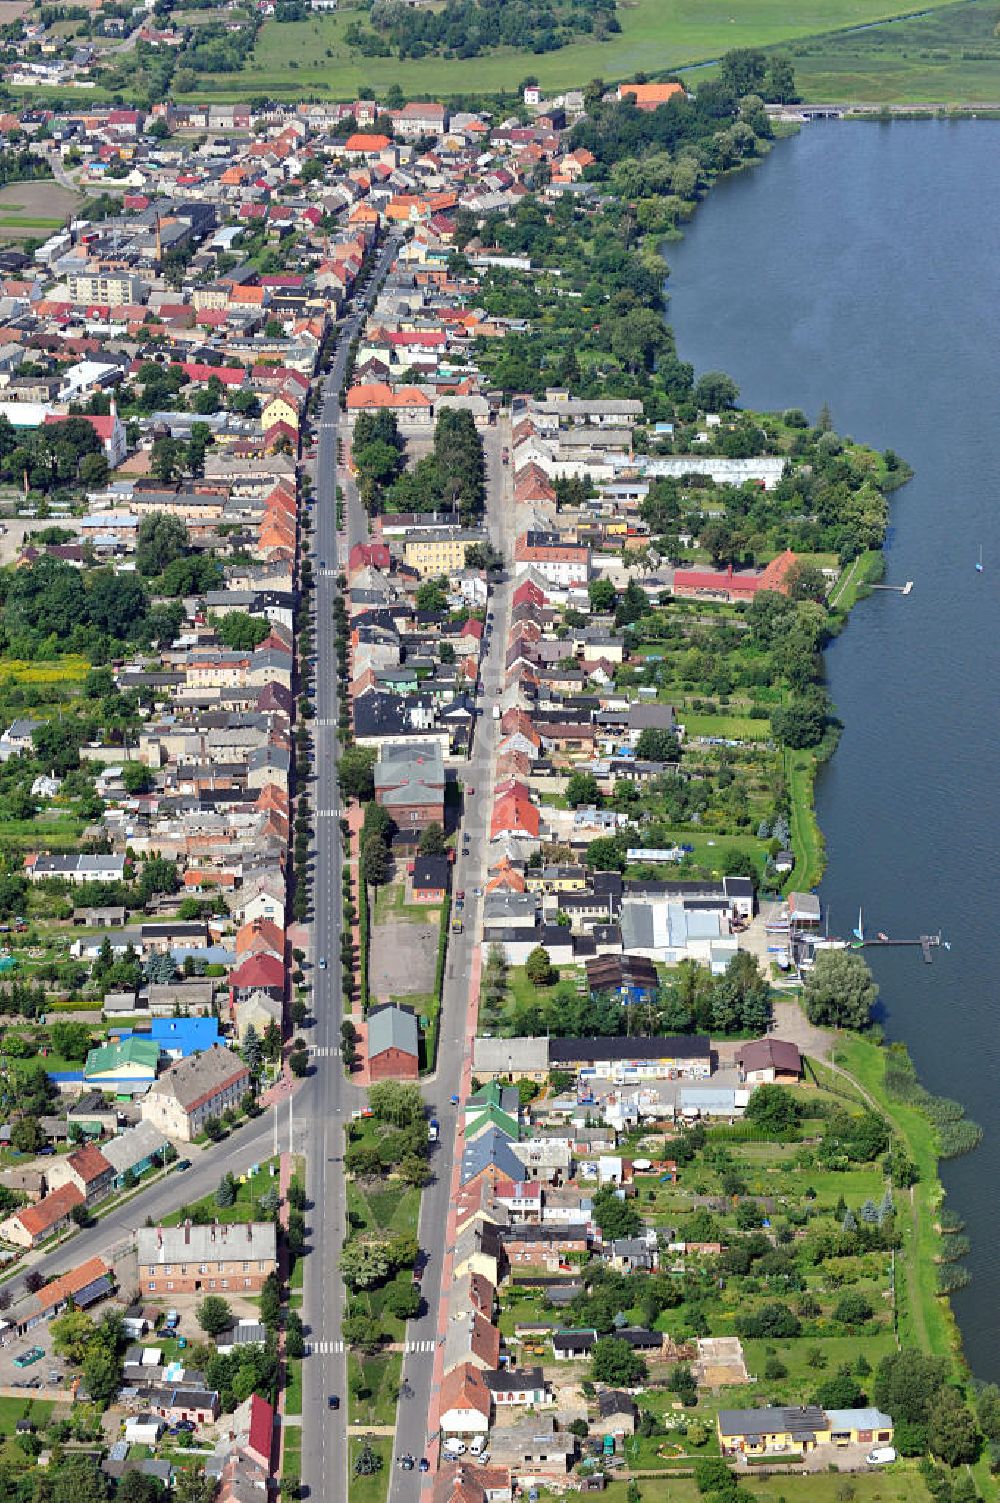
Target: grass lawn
x,y
12,1410
390,901
901,1483
379,1206
732,727
245,1208
381,1375
807,838
925,1317
291,58
373,1489
291,1461
293,1387
855,577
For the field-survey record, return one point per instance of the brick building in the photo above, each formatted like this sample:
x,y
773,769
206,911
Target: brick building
x,y
212,1259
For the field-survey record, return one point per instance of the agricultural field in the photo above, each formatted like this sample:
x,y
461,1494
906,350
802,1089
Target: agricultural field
x,y
33,210
294,58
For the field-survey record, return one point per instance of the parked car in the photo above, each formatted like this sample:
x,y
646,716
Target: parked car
x,y
407,1463
322,962
425,1465
182,1164
33,1354
333,1402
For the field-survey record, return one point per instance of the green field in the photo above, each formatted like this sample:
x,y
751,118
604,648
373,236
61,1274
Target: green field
x,y
656,36
951,55
897,1484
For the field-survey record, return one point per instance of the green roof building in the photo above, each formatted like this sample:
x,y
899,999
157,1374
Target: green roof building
x,y
128,1065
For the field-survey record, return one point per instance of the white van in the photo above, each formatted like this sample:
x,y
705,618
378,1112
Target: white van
x,y
454,1447
477,1445
881,1456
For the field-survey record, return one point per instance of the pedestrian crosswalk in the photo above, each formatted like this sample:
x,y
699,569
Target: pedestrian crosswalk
x,y
324,1051
420,1346
324,1348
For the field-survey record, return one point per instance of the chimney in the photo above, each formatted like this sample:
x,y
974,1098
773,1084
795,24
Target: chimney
x,y
187,1233
159,1236
249,1232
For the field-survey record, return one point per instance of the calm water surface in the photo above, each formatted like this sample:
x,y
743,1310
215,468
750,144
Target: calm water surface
x,y
860,266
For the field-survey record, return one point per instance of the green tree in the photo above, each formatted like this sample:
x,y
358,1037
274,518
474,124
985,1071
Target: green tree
x,y
715,392
403,1301
374,861
615,1216
614,1362
26,1135
951,1430
773,1108
431,841
136,777
72,1336
214,1315
240,631
356,773
102,1374
907,1384
657,745
161,539
581,788
364,1263
603,595
538,967
71,1040
839,991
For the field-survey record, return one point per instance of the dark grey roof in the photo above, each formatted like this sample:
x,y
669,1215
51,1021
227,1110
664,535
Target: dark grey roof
x,y
392,1027
430,872
804,1420
491,1148
571,1051
511,1380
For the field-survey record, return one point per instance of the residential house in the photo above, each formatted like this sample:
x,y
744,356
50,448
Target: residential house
x,y
194,1089
429,879
87,1169
466,1403
764,1061
194,1259
48,1217
797,1431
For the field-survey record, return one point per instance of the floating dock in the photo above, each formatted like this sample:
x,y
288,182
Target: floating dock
x,y
928,944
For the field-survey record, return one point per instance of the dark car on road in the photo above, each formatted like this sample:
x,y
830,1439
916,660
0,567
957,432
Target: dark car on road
x,y
333,1402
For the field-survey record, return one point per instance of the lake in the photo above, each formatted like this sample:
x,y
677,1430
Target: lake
x,y
858,266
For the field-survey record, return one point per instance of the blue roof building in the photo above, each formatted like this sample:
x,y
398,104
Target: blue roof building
x,y
180,1037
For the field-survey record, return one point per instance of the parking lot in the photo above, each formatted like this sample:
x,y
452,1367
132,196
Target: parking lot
x,y
35,1376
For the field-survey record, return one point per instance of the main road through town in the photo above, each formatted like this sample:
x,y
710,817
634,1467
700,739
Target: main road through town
x,y
313,1120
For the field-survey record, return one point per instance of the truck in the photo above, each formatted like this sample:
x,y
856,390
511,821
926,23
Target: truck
x,y
881,1455
496,712
172,1322
433,1130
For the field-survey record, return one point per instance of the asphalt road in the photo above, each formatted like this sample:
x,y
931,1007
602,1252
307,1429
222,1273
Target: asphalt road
x,y
328,1097
422,1334
313,1123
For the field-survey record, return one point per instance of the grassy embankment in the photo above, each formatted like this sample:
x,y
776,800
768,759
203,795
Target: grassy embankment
x,y
290,60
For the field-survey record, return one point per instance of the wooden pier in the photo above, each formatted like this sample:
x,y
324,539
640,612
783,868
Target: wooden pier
x,y
928,944
900,589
